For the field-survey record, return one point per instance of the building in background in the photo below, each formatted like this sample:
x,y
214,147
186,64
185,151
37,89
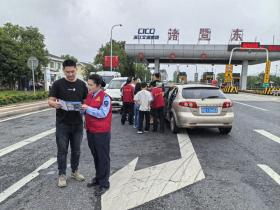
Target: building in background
x,y
54,70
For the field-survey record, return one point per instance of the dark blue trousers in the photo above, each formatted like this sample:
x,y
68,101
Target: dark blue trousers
x,y
99,144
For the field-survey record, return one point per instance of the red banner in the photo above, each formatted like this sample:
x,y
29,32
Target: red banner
x,y
115,61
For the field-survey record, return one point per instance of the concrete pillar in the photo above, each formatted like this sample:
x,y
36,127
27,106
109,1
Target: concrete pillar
x,y
157,65
244,72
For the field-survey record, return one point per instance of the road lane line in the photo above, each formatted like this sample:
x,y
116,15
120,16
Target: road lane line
x,y
16,186
35,106
268,135
251,106
22,143
270,172
23,115
25,105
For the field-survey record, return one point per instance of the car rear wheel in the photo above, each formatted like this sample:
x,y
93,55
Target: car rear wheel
x,y
173,125
225,131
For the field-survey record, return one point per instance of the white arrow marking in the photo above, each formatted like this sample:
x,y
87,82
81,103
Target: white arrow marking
x,y
130,188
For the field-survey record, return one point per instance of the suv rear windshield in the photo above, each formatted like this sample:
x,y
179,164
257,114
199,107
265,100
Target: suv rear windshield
x,y
202,93
116,84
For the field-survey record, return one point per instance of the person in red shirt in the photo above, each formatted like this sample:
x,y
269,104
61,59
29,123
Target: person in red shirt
x,y
98,120
128,101
157,107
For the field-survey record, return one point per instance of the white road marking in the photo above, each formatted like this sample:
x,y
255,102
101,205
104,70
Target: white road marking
x,y
270,172
20,109
24,105
130,188
23,115
16,186
268,135
22,143
251,106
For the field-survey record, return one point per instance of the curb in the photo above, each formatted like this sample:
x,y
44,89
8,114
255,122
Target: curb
x,y
7,111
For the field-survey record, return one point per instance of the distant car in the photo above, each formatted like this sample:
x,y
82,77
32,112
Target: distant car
x,y
107,76
114,91
194,106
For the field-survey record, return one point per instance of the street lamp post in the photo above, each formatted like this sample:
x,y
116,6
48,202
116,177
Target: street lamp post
x,y
111,40
276,71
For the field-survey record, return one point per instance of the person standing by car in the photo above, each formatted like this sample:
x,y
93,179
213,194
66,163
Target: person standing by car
x,y
136,106
157,107
128,102
144,99
157,81
98,109
69,124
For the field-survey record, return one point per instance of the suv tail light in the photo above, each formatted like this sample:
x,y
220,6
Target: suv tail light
x,y
227,104
189,104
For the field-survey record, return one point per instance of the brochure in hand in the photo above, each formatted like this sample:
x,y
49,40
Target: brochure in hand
x,y
70,105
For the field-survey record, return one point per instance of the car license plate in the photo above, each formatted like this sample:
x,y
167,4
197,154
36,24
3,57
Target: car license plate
x,y
209,110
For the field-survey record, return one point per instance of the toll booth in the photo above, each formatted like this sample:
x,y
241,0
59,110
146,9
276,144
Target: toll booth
x,y
207,77
181,77
236,79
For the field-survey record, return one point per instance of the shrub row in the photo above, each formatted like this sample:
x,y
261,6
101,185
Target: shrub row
x,y
11,98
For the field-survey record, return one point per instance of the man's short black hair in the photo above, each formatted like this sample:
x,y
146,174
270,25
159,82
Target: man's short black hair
x,y
68,62
143,84
157,75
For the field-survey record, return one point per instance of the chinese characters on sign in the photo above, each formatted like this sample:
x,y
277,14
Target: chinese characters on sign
x,y
267,74
173,35
228,73
204,34
236,35
146,33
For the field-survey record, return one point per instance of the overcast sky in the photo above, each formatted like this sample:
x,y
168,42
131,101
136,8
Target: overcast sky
x,y
80,27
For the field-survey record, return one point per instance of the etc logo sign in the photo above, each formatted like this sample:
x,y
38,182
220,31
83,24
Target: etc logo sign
x,y
146,33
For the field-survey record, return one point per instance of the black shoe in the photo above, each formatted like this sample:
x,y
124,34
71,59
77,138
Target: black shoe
x,y
93,183
100,191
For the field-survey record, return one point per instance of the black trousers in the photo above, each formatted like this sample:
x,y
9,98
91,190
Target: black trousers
x,y
99,144
66,134
143,114
158,117
127,110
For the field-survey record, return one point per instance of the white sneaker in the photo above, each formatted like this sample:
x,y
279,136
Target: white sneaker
x,y
139,132
62,181
77,176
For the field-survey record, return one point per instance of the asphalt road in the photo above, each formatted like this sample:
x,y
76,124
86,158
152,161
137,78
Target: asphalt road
x,y
233,177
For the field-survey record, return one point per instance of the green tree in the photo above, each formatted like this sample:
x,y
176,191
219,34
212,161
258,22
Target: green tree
x,y
125,63
90,68
69,57
17,44
221,77
142,71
